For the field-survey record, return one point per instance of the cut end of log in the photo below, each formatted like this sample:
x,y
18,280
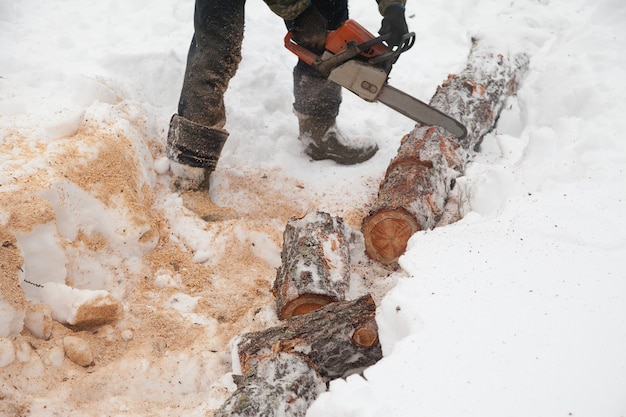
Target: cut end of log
x,y
365,337
387,232
303,305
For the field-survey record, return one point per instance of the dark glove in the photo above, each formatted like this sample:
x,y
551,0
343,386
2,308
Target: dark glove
x,y
394,24
309,29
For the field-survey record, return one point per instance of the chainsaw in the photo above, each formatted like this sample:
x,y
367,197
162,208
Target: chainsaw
x,y
361,62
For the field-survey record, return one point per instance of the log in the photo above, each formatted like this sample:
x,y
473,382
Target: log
x,y
337,338
315,268
283,384
415,189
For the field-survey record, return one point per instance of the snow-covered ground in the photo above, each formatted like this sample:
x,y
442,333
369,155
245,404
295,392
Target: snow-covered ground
x,y
519,309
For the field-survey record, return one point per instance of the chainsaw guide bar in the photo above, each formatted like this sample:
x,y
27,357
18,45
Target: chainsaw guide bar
x,y
361,62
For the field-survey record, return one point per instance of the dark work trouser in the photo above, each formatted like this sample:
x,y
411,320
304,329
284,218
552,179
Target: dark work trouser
x,y
314,95
196,134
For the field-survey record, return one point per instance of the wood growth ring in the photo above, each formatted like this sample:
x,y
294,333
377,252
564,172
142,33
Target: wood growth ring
x,y
387,233
303,305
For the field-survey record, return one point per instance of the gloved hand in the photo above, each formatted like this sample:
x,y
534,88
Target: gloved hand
x,y
394,24
309,29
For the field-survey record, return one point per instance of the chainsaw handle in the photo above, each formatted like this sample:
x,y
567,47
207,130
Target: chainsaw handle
x,y
300,51
351,50
343,48
323,66
407,42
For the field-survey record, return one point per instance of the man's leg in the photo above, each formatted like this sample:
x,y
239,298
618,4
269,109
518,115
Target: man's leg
x,y
196,135
317,103
314,94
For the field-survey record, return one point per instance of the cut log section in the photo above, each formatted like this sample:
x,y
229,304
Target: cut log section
x,y
283,384
337,338
414,192
315,267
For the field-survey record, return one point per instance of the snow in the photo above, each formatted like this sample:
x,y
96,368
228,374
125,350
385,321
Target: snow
x,y
518,309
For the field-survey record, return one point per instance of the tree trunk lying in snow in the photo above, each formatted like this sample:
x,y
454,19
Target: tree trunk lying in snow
x,y
315,267
415,190
286,367
337,338
283,384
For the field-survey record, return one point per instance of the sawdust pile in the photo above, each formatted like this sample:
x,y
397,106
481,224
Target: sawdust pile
x,y
155,357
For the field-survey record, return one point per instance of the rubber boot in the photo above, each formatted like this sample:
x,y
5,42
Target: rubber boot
x,y
324,141
193,144
193,150
186,178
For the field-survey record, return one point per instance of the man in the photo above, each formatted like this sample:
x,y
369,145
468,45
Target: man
x,y
196,135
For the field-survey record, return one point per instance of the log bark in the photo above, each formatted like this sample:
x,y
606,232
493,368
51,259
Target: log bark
x,y
337,338
415,189
283,384
315,267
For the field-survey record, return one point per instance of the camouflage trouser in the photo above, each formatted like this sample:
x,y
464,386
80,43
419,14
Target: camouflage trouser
x,y
196,134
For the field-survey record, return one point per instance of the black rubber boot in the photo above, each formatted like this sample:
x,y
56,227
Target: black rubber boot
x,y
324,141
193,150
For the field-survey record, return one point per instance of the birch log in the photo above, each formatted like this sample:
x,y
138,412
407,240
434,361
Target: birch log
x,y
416,186
315,268
281,385
337,338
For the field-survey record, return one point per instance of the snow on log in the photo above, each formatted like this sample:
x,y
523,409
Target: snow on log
x,y
338,338
282,384
315,267
416,186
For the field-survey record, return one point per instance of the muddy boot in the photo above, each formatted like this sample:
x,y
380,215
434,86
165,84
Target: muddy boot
x,y
324,141
194,145
186,178
193,185
194,150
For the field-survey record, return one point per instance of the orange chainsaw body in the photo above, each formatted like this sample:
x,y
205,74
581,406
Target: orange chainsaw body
x,y
351,31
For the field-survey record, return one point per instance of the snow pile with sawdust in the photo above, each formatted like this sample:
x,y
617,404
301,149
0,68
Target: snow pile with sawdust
x,y
518,309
